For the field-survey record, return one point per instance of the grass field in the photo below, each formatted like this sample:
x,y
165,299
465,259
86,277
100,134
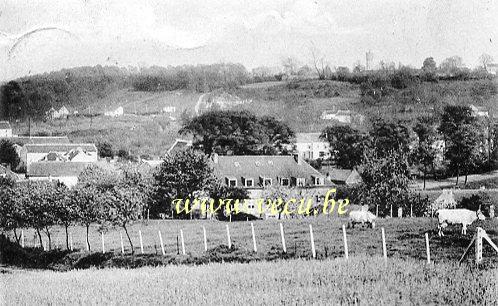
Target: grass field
x,y
359,281
404,238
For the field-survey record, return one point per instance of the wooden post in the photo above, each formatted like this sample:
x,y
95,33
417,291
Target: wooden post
x,y
478,246
205,239
22,238
122,244
391,213
253,238
346,255
162,244
141,241
228,237
284,247
148,215
400,212
103,243
384,249
428,250
71,241
377,210
491,211
182,241
411,210
313,251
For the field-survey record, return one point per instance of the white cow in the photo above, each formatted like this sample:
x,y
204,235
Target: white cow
x,y
361,216
464,217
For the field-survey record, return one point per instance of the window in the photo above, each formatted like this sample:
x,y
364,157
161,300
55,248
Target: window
x,y
299,181
319,181
248,182
284,181
322,154
231,181
265,181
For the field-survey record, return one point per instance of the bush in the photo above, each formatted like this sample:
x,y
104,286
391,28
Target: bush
x,y
474,202
105,149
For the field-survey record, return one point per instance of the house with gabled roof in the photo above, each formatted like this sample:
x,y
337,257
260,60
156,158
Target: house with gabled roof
x,y
5,129
64,172
37,152
178,145
310,146
341,176
255,173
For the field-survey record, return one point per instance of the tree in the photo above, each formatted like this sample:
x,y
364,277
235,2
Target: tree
x,y
67,211
429,65
123,205
387,136
319,62
222,192
425,153
451,65
458,126
11,210
385,180
8,154
237,132
183,175
105,149
89,205
347,145
485,60
290,65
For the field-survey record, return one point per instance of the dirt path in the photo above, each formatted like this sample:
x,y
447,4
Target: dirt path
x,y
450,182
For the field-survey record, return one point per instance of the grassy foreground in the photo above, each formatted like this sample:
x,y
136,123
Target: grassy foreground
x,y
359,281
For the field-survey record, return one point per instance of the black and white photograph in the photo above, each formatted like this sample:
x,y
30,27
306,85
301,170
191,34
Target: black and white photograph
x,y
248,152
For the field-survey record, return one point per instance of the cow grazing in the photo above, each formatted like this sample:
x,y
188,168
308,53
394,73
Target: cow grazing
x,y
464,217
363,217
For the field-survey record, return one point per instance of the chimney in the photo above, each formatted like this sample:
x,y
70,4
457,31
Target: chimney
x,y
214,157
297,159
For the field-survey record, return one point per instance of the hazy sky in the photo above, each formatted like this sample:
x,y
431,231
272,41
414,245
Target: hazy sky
x,y
254,33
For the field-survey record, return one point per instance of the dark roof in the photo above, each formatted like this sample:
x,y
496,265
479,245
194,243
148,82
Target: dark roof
x,y
256,166
337,175
60,147
308,137
55,169
22,140
5,125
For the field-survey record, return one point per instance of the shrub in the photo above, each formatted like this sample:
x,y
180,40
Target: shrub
x,y
474,202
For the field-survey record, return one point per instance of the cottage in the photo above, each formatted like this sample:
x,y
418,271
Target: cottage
x,y
169,109
178,145
478,111
5,129
257,173
53,114
310,146
343,116
342,176
64,172
115,113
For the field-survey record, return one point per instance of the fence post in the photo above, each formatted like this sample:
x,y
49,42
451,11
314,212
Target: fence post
x,y
122,244
205,239
162,244
313,251
284,247
391,212
428,250
491,211
141,241
228,236
182,241
71,241
22,238
103,243
253,238
411,210
384,249
377,210
400,212
478,246
346,255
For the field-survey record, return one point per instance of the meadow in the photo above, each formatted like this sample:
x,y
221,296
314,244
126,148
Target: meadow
x,y
404,238
359,281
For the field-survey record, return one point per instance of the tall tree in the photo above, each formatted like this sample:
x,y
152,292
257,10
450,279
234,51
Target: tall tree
x,y
8,154
425,153
238,132
485,59
387,136
347,145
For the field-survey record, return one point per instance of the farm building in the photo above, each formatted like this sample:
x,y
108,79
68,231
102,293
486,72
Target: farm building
x,y
341,176
445,200
64,172
169,109
257,173
478,111
5,129
53,114
310,146
115,113
86,152
179,145
343,116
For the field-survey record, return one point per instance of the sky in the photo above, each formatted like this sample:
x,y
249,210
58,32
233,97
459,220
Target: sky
x,y
40,36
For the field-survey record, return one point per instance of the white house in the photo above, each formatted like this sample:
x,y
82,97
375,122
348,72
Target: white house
x,y
62,113
179,145
83,152
115,113
64,172
478,111
310,146
343,116
169,109
5,129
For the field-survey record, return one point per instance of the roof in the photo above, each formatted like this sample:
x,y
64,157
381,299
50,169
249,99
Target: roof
x,y
256,166
55,169
308,137
22,140
336,174
179,144
5,125
61,147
